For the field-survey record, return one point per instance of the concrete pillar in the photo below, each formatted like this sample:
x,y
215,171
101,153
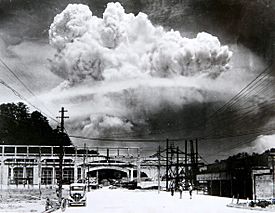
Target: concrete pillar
x,y
75,172
82,172
5,175
24,174
132,174
2,169
54,176
35,175
273,176
97,181
12,173
24,171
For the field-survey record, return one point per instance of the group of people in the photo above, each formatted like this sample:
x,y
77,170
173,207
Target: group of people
x,y
180,188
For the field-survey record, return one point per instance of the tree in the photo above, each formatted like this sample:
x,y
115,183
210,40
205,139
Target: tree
x,y
20,127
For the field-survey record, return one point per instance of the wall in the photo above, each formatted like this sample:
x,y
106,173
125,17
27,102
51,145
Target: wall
x,y
264,186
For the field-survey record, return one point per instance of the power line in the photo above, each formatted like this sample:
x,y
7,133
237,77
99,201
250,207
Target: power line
x,y
255,83
24,85
245,101
218,136
230,148
234,98
16,93
246,90
117,139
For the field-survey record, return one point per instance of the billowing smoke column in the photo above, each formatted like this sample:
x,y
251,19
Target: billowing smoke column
x,y
125,47
122,44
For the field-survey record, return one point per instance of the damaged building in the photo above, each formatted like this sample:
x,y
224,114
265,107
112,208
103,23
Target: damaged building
x,y
242,176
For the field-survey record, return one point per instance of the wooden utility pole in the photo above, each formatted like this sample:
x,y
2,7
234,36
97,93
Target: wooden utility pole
x,y
61,153
84,162
39,172
167,161
197,154
177,169
159,170
185,164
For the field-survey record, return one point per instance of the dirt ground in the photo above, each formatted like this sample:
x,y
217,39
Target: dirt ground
x,y
20,199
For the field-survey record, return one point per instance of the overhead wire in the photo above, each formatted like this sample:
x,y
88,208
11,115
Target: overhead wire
x,y
27,88
255,83
232,147
16,93
242,113
116,139
237,96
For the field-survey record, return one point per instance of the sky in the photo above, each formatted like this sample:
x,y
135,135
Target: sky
x,y
121,76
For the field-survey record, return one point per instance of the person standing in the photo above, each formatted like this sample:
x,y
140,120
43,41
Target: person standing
x,y
190,190
180,189
172,187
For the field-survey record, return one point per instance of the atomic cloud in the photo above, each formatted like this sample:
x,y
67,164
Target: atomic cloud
x,y
122,45
123,72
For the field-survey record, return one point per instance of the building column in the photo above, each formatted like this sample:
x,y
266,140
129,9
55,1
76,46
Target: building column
x,y
75,172
97,177
273,181
132,174
35,175
2,170
220,188
75,167
211,189
12,173
24,174
82,172
5,175
53,176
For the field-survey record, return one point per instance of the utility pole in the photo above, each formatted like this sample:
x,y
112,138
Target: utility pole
x,y
177,169
87,157
61,153
108,154
39,173
185,164
159,170
193,165
197,154
167,155
84,162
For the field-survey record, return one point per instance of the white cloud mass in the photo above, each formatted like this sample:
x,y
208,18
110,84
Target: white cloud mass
x,y
121,69
121,45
